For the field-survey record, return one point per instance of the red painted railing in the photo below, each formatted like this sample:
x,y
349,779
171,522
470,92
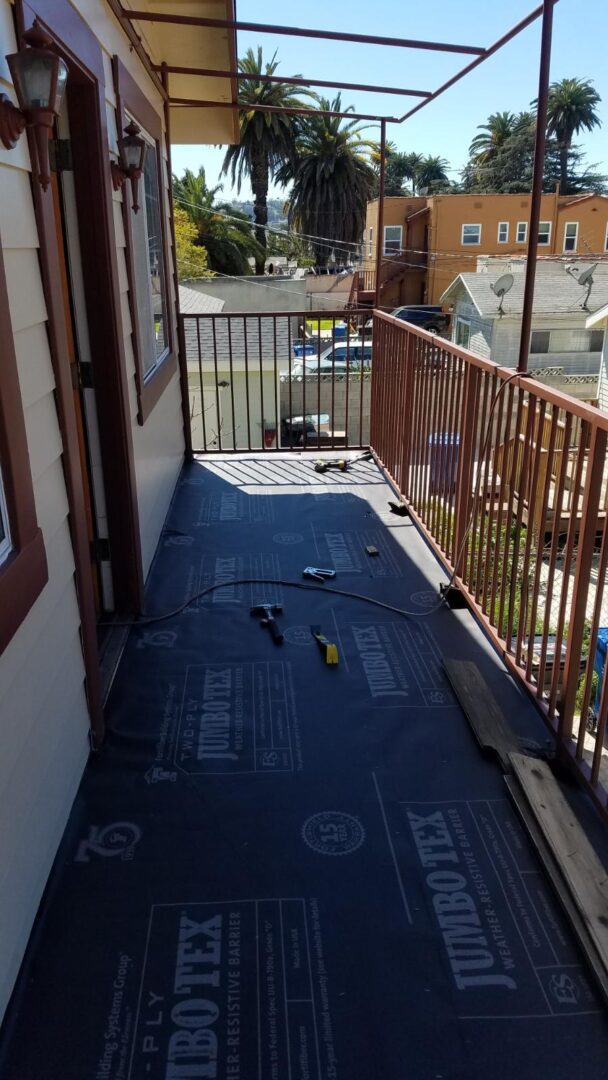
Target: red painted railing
x,y
508,481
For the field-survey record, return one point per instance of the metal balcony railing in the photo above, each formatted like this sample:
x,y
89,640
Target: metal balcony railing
x,y
508,480
278,380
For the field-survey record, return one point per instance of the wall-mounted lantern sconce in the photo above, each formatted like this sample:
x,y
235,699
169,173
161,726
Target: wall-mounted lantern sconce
x,y
39,77
132,154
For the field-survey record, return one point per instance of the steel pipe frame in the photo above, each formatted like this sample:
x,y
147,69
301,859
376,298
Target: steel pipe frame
x,y
297,31
194,103
172,69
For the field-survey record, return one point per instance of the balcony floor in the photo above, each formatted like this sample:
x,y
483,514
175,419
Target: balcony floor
x,y
279,869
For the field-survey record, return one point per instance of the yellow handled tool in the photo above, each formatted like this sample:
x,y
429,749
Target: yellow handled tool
x,y
329,650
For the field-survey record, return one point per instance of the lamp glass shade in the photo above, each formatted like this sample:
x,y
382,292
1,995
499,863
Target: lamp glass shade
x,y
132,149
40,77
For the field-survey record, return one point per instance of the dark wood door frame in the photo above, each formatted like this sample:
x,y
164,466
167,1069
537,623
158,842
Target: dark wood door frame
x,y
82,53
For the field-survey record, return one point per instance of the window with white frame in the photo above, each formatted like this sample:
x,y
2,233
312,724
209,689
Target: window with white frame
x,y
503,232
570,235
392,239
149,265
544,233
5,536
463,333
370,250
471,234
540,341
522,232
606,240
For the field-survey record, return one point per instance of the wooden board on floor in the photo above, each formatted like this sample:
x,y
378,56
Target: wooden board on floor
x,y
489,724
555,876
583,873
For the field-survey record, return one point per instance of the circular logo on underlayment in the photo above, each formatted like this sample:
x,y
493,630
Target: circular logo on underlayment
x,y
288,538
298,635
333,832
424,598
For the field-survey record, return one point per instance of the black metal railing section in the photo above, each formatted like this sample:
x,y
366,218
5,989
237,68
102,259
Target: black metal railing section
x,y
278,380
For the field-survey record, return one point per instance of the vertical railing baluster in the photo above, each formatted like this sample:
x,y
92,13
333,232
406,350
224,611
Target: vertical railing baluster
x,y
200,371
231,365
246,360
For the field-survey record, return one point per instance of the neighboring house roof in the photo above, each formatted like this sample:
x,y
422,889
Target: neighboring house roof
x,y
599,318
193,302
556,291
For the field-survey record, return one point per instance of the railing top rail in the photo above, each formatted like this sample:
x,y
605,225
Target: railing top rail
x,y
346,314
524,382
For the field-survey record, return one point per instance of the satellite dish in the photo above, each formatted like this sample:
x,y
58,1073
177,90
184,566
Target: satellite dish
x,y
501,287
586,278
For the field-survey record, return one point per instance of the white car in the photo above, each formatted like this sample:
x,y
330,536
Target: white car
x,y
338,359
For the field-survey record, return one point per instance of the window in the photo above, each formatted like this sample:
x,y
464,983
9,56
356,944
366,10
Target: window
x,y
149,265
570,235
392,239
503,232
540,341
596,340
23,570
370,250
606,240
471,234
463,333
544,233
152,314
522,232
5,536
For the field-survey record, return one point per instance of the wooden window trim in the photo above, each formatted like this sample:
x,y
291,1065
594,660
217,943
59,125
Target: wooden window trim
x,y
130,99
24,573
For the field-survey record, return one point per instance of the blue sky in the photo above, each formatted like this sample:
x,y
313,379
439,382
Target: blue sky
x,y
509,80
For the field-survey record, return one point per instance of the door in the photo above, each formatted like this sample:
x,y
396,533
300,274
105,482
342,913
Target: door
x,y
79,358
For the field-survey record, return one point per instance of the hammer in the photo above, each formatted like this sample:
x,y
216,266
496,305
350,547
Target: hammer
x,y
267,612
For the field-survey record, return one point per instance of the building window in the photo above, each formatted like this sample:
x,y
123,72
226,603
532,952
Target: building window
x,y
544,233
463,333
23,569
471,234
370,250
147,251
149,266
570,235
596,340
392,239
522,232
540,341
606,240
503,232
5,536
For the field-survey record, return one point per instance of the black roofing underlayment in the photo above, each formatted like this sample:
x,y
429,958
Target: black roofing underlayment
x,y
280,870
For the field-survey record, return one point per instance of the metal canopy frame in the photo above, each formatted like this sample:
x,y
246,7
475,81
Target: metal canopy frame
x,y
480,54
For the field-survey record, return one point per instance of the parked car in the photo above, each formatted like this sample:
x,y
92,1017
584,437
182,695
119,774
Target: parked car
x,y
427,316
337,359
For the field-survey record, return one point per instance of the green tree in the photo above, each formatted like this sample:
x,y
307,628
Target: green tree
x,y
493,135
572,107
226,233
332,182
267,139
190,256
431,174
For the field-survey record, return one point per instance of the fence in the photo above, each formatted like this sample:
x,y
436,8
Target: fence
x,y
278,380
508,480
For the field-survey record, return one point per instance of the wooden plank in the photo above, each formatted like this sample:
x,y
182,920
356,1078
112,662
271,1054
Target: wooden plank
x,y
489,724
555,876
583,873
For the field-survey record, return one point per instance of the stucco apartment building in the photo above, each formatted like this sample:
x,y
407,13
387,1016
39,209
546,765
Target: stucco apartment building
x,y
92,430
429,240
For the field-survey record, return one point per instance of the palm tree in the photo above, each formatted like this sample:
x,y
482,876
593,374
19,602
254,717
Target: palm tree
x,y
494,134
332,182
222,230
267,139
431,173
572,107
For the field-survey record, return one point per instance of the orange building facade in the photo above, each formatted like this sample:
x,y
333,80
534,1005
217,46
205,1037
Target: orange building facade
x,y
429,240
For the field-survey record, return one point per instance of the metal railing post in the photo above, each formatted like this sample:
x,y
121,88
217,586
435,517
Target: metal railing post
x,y
380,237
464,472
